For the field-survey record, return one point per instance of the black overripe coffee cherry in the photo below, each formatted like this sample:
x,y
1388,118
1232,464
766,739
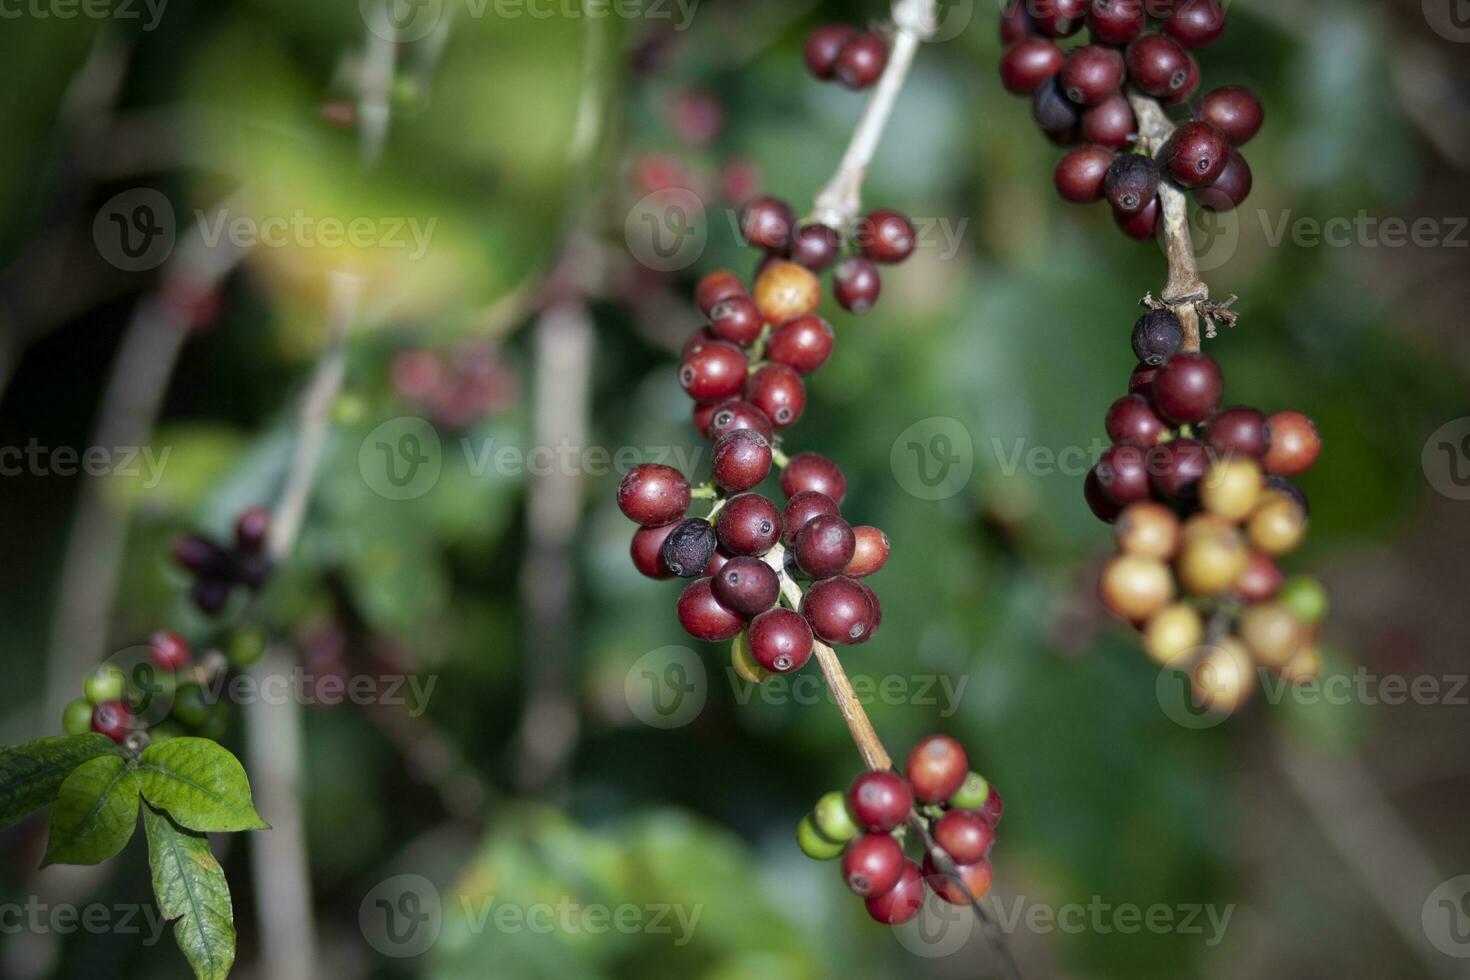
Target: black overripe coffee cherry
x,y
816,246
1080,173
1091,74
1131,182
687,548
1196,154
856,284
766,223
647,550
1058,116
824,546
822,45
702,616
748,524
886,236
1115,21
1188,388
1239,430
1157,336
802,343
1230,189
737,320
1196,22
737,414
1029,63
838,610
803,506
746,585
740,460
777,391
780,640
1157,64
1132,420
712,371
1235,111
653,494
1110,123
813,471
861,60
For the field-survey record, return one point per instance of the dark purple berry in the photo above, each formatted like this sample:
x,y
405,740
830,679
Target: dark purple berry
x,y
653,494
702,616
824,546
813,471
1188,388
1131,183
748,524
1157,336
1196,154
1157,64
886,236
746,585
741,459
1091,74
780,640
815,246
1029,63
803,506
766,223
856,284
687,548
861,60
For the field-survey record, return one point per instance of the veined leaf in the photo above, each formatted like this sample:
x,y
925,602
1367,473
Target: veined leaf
x,y
200,784
191,887
94,814
31,774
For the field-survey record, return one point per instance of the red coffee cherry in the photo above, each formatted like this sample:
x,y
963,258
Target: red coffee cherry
x,y
647,550
1133,421
822,45
803,343
734,415
1188,388
748,524
936,768
1239,430
1141,381
687,547
1102,507
1196,154
168,651
717,287
741,459
713,371
813,471
993,808
886,236
815,246
766,223
964,836
804,506
839,610
252,528
1080,172
1109,123
113,719
653,494
1015,22
737,320
1176,467
1295,444
1091,73
856,284
901,902
975,876
1261,579
747,586
1230,189
879,801
860,61
874,621
1142,226
1029,63
1157,64
870,551
1235,111
1122,474
1191,82
824,546
1115,21
1058,18
1196,23
872,865
702,616
777,391
780,640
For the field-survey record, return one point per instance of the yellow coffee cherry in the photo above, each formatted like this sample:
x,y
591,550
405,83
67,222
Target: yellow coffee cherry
x,y
1231,487
1211,559
1205,523
1135,587
1277,525
1222,679
1272,633
1304,666
744,661
1149,530
785,290
1172,634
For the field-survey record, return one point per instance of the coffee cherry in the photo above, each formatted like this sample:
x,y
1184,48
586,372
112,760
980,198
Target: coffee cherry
x,y
734,415
870,551
1092,73
815,472
804,506
1272,634
746,585
1291,491
1196,23
701,414
1157,64
860,61
834,818
1196,154
1058,116
879,801
736,320
815,246
1172,634
211,595
1141,226
713,371
743,662
902,902
717,287
1131,183
1149,530
1028,64
1239,431
777,391
1176,467
1123,474
1261,579
886,236
741,459
1211,559
168,651
780,640
1135,588
748,524
803,343
873,864
1235,111
76,717
1191,82
839,610
976,878
1015,22
1305,597
876,620
106,683
1277,525
972,794
766,223
856,284
1231,487
784,290
964,836
1115,21
993,808
113,719
702,616
251,529
1109,123
1080,172
1188,387
647,550
814,844
1102,506
1157,336
1141,381
198,554
1132,420
1222,679
822,45
653,494
687,547
1058,18
1230,189
824,546
936,768
696,340
1295,444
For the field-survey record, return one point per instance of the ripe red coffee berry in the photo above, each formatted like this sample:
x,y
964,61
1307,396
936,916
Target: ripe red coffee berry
x,y
803,343
251,529
717,287
652,494
1191,82
766,223
1239,430
860,61
113,719
1260,581
876,619
1157,64
1133,421
1080,172
936,767
747,586
873,864
736,319
870,551
1176,467
777,391
1122,474
1015,22
976,877
1188,388
822,45
856,284
1027,64
1235,111
687,547
824,546
748,524
815,246
1196,23
993,808
1230,189
1295,444
813,471
1058,18
702,616
1142,226
886,236
839,610
1110,122
780,640
1115,21
1196,154
901,902
168,651
879,801
1141,381
964,836
713,371
736,414
647,550
741,459
1091,73
1131,183
702,413
804,506
1102,508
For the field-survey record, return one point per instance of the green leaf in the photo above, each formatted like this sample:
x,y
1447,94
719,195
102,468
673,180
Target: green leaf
x,y
31,774
200,784
95,813
191,887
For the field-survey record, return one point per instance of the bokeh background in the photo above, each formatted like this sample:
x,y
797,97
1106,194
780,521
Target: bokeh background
x,y
539,314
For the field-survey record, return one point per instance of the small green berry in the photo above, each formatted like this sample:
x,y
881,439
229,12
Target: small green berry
x,y
192,706
813,844
833,818
76,719
1305,597
165,730
972,794
106,683
247,646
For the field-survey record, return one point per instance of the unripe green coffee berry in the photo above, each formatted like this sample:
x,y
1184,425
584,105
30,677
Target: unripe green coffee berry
x,y
972,794
247,646
1305,598
813,844
76,718
833,818
106,683
192,706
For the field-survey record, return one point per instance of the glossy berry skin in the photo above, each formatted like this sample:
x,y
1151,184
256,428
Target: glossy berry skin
x,y
822,45
860,61
741,459
702,616
1196,23
901,902
1141,380
976,877
784,290
168,651
1115,21
1027,64
777,391
653,494
734,415
1157,64
736,320
687,547
803,343
824,546
1196,154
1015,22
1058,116
1157,336
879,801
839,610
804,506
876,619
716,287
113,719
972,794
1141,226
813,471
1176,467
1131,183
1122,474
872,865
1231,188
251,529
1058,18
1188,388
1235,111
886,236
702,413
76,717
1239,431
748,524
780,640
1191,82
766,223
993,808
815,246
964,836
936,768
856,284
717,560
713,371
746,585
647,550
1092,73
870,551
1295,444
1133,421
1080,172
1110,122
1102,507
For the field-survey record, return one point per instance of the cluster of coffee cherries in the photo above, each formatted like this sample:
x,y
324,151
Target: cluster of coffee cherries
x,y
457,388
1078,98
837,52
799,249
217,570
866,825
1203,505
